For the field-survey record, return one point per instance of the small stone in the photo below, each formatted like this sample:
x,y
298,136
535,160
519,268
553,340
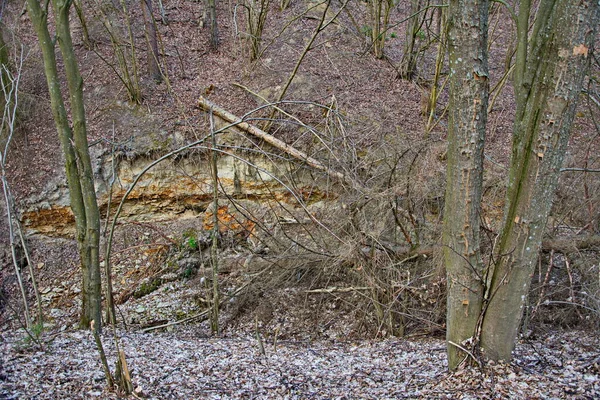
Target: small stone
x,y
169,277
55,313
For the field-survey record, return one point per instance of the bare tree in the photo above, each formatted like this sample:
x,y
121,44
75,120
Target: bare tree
x,y
73,137
467,117
9,97
408,65
379,13
152,40
550,67
551,63
257,16
210,19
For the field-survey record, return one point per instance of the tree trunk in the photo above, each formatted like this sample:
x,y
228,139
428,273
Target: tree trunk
x,y
152,42
75,146
257,16
439,64
549,73
469,88
4,62
408,64
90,256
379,11
211,21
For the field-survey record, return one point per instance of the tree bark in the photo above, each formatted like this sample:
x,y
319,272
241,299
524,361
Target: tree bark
x,y
408,64
549,73
469,88
4,62
379,11
78,166
211,21
152,54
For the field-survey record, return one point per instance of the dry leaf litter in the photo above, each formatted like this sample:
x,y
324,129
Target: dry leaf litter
x,y
183,365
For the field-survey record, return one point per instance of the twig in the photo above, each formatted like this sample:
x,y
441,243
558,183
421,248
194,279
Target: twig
x,y
109,378
466,351
579,170
322,25
547,303
277,108
214,249
571,291
10,91
337,289
201,315
544,285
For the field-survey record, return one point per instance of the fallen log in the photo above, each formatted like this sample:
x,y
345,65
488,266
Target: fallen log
x,y
270,139
571,244
563,245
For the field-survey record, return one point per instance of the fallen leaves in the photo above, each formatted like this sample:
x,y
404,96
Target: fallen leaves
x,y
182,365
580,50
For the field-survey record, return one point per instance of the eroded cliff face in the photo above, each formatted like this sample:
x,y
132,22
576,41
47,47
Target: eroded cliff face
x,y
176,188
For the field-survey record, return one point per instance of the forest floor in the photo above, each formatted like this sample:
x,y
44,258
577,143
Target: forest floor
x,y
185,364
287,344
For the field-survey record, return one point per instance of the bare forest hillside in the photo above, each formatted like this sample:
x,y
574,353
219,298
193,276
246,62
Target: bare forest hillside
x,y
270,180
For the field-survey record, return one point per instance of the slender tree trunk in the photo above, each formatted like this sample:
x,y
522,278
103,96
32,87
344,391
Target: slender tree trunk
x,y
152,41
211,21
84,27
469,87
408,64
379,11
4,62
549,73
214,249
439,64
90,256
257,16
74,143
